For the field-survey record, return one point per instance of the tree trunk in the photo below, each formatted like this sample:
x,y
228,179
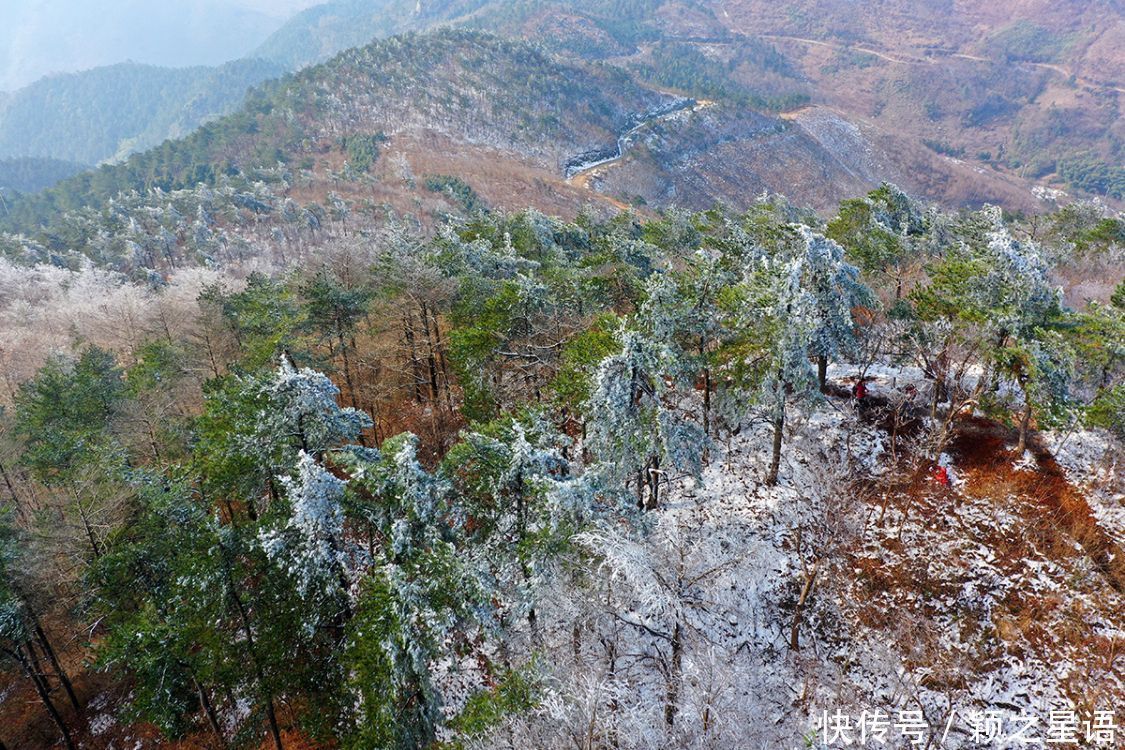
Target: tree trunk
x,y
53,658
822,373
348,372
1025,425
798,611
442,362
939,395
36,666
374,413
211,356
707,401
271,714
611,673
152,442
86,526
675,670
653,484
775,459
415,365
209,710
431,356
11,489
44,696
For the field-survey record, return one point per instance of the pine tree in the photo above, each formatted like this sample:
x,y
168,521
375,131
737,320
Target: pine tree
x,y
333,311
836,290
795,303
990,296
417,599
310,546
303,412
883,233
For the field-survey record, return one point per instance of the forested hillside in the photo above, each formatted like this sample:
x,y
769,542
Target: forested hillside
x,y
462,104
1031,94
108,113
479,91
30,174
961,105
523,482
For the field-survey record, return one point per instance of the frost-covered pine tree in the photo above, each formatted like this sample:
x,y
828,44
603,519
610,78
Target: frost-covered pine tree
x,y
835,289
310,545
883,233
303,410
990,301
637,430
779,317
419,599
513,523
685,311
1016,290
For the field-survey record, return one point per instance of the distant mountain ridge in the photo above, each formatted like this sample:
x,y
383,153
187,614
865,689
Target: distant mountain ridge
x,y
317,33
508,120
48,37
107,113
957,102
1029,90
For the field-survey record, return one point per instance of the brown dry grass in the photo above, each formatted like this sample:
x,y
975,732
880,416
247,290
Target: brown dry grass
x,y
899,587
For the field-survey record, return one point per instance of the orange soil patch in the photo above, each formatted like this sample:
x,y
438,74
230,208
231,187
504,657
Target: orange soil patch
x,y
1062,513
910,586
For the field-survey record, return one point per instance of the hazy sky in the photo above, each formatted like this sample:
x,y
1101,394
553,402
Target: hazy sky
x,y
38,37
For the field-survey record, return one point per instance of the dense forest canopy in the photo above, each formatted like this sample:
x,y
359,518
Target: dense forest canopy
x,y
30,174
359,495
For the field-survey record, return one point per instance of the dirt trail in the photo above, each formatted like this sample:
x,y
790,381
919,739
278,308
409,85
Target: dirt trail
x,y
1005,565
857,48
982,451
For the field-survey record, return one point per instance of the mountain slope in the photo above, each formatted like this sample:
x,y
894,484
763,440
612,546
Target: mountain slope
x,y
956,103
45,37
475,93
1029,89
107,113
30,174
1028,95
461,104
318,33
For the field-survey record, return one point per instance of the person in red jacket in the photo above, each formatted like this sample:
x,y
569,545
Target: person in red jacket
x,y
860,390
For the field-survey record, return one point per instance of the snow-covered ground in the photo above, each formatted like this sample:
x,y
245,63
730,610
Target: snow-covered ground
x,y
905,594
